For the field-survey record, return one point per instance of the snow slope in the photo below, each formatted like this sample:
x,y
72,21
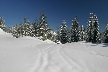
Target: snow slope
x,y
32,55
2,32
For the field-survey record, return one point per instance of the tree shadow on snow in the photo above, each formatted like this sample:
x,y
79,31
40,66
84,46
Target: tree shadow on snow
x,y
105,45
95,44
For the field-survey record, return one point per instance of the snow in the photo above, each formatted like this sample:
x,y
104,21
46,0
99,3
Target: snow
x,y
49,41
2,32
29,54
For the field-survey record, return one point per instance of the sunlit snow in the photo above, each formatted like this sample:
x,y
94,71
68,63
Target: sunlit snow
x,y
29,54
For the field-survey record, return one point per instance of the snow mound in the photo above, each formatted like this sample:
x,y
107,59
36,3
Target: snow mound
x,y
2,32
49,41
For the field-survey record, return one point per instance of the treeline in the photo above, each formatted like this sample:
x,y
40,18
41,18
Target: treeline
x,y
78,33
39,28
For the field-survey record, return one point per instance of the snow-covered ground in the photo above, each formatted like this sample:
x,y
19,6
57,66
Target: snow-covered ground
x,y
29,54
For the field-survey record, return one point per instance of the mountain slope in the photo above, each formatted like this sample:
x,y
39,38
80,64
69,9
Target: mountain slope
x,y
29,54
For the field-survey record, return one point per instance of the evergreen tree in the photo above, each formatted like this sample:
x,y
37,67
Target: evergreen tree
x,y
15,31
35,28
43,27
96,33
51,35
58,35
11,29
69,35
82,33
2,23
21,30
8,30
105,34
26,27
63,33
89,31
75,30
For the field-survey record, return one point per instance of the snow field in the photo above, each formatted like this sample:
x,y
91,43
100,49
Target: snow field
x,y
29,54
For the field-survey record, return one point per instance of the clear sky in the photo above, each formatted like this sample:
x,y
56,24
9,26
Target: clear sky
x,y
14,11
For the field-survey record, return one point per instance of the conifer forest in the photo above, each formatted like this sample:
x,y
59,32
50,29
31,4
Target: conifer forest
x,y
75,33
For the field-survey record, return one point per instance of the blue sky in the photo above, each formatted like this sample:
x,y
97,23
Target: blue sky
x,y
14,11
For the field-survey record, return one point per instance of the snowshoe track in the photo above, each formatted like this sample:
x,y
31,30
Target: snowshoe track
x,y
93,51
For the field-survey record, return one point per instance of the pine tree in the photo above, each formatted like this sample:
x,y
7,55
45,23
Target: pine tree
x,y
35,28
51,35
26,27
96,33
105,34
63,33
89,31
69,35
15,31
8,30
2,23
21,30
58,35
43,27
75,30
82,33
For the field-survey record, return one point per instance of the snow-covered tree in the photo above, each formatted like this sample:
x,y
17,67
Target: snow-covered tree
x,y
21,30
96,32
2,23
89,30
26,27
51,35
82,33
15,31
10,29
63,33
105,34
43,27
92,32
58,35
75,30
35,28
69,35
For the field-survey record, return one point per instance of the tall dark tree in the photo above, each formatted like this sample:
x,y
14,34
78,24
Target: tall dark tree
x,y
89,30
105,34
2,23
96,32
82,33
75,30
35,28
63,33
43,29
69,35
